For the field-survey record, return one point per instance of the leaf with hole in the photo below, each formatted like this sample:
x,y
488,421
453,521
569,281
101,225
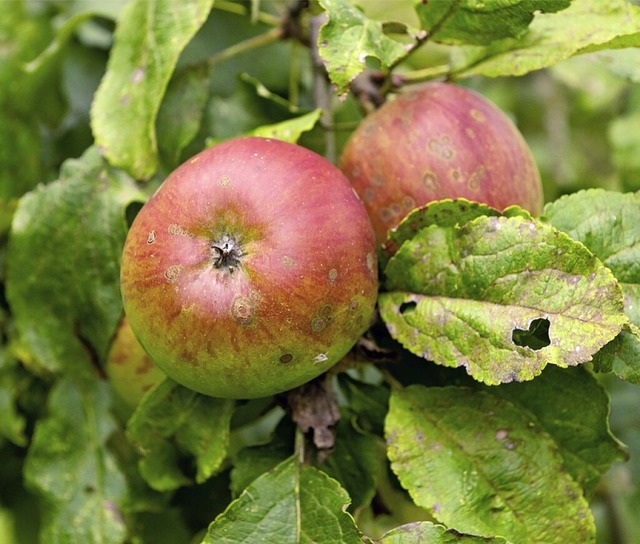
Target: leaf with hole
x,y
500,296
608,223
348,38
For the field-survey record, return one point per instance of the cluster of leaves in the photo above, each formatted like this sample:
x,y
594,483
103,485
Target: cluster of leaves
x,y
447,415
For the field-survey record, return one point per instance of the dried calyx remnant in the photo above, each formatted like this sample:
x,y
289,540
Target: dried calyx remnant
x,y
226,254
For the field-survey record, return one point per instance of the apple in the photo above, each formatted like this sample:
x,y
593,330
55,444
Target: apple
x,y
438,141
128,368
251,270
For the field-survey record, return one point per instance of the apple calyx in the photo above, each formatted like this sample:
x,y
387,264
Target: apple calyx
x,y
226,254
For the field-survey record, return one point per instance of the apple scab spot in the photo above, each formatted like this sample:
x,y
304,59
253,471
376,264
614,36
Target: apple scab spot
x,y
385,214
224,181
477,115
151,237
441,147
456,175
172,273
324,317
286,358
318,324
242,310
333,275
371,262
369,195
408,203
287,261
476,177
430,180
177,230
395,209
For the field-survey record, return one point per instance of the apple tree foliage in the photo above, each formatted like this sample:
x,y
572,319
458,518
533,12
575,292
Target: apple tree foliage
x,y
494,400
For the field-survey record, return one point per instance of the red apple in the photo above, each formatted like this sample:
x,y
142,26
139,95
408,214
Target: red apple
x,y
434,142
128,368
251,270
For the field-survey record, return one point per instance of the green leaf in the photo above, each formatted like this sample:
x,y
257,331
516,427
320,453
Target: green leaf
x,y
369,403
181,111
251,462
426,532
71,468
172,421
624,137
63,258
291,129
291,504
348,38
586,26
12,385
20,147
480,23
622,62
621,356
63,34
446,213
608,223
500,296
354,462
585,441
149,38
484,465
250,106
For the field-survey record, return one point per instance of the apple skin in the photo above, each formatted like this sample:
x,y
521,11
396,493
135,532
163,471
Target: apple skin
x,y
439,141
128,368
251,270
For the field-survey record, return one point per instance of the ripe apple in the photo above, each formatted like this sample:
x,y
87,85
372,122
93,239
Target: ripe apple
x,y
128,368
251,270
438,141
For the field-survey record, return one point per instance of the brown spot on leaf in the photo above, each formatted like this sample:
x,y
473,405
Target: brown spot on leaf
x,y
138,75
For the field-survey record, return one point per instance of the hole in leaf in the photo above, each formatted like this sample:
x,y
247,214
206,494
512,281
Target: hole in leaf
x,y
407,307
537,337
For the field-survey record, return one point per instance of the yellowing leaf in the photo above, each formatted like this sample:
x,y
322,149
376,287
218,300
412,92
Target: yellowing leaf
x,y
149,38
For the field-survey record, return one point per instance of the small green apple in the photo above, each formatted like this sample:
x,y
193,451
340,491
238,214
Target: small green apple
x,y
128,368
